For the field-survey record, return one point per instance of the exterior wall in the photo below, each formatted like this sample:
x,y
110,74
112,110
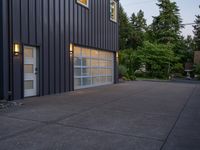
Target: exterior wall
x,y
51,25
1,54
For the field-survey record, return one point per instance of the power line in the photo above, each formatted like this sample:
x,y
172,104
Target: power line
x,y
188,24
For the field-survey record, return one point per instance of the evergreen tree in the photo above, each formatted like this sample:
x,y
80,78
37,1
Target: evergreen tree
x,y
197,32
139,22
166,26
124,28
138,27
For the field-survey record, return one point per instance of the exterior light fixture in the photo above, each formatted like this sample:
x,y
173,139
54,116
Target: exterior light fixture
x,y
71,48
16,49
117,54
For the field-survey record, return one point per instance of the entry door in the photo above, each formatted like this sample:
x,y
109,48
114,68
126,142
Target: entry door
x,y
30,71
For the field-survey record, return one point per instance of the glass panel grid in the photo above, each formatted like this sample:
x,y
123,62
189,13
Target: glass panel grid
x,y
28,84
28,68
92,67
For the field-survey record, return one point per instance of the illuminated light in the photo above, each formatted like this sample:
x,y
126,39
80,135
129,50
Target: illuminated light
x,y
16,49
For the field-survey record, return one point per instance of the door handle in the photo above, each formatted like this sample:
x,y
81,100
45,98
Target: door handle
x,y
36,71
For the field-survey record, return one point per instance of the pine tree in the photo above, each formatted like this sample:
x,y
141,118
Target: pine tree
x,y
124,28
138,22
197,32
138,27
166,26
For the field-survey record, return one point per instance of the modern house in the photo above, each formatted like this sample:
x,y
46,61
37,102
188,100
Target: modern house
x,y
55,46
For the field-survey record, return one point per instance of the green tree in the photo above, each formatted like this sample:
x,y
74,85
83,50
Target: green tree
x,y
158,59
138,29
184,49
138,21
197,32
130,59
166,26
124,28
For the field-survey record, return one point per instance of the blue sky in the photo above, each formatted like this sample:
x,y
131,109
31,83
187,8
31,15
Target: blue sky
x,y
188,10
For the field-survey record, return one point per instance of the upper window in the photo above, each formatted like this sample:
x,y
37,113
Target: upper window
x,y
113,10
83,2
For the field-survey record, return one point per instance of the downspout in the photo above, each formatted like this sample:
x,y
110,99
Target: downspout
x,y
10,54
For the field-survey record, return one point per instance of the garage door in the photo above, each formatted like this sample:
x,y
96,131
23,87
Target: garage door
x,y
92,67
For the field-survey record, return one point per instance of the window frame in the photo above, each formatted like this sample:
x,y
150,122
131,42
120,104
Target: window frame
x,y
108,70
87,6
116,11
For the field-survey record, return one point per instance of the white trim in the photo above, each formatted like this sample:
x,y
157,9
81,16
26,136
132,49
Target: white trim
x,y
87,6
31,76
97,78
116,11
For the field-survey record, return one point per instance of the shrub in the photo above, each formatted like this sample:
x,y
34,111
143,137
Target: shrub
x,y
122,71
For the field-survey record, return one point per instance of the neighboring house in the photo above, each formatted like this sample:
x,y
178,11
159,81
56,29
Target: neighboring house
x,y
54,46
197,57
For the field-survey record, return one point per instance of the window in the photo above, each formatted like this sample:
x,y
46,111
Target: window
x,y
113,10
92,67
83,2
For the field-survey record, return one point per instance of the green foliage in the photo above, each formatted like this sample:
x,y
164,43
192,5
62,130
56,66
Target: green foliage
x,y
122,70
159,46
157,58
138,28
197,32
197,69
178,68
124,29
130,59
166,26
183,49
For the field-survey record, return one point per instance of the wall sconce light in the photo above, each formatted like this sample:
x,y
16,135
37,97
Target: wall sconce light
x,y
71,48
16,49
117,54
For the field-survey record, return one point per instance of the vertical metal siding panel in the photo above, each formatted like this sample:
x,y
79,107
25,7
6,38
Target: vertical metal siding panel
x,y
1,52
82,26
24,20
117,26
72,3
45,55
51,46
32,32
75,23
90,23
39,35
98,23
107,19
93,23
79,24
67,34
57,47
86,27
5,47
17,72
103,14
62,46
16,19
101,23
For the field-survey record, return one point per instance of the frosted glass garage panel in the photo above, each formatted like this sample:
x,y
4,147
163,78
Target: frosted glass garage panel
x,y
92,67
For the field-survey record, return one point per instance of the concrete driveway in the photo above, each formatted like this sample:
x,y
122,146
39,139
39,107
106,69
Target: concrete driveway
x,y
128,116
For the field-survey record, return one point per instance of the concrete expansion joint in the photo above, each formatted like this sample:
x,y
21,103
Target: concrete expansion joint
x,y
179,116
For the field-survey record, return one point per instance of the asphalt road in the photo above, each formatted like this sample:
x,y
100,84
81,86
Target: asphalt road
x,y
140,115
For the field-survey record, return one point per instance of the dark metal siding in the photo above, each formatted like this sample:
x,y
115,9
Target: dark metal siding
x,y
52,25
1,54
5,47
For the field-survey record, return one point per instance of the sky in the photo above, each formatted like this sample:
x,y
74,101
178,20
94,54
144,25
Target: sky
x,y
188,10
